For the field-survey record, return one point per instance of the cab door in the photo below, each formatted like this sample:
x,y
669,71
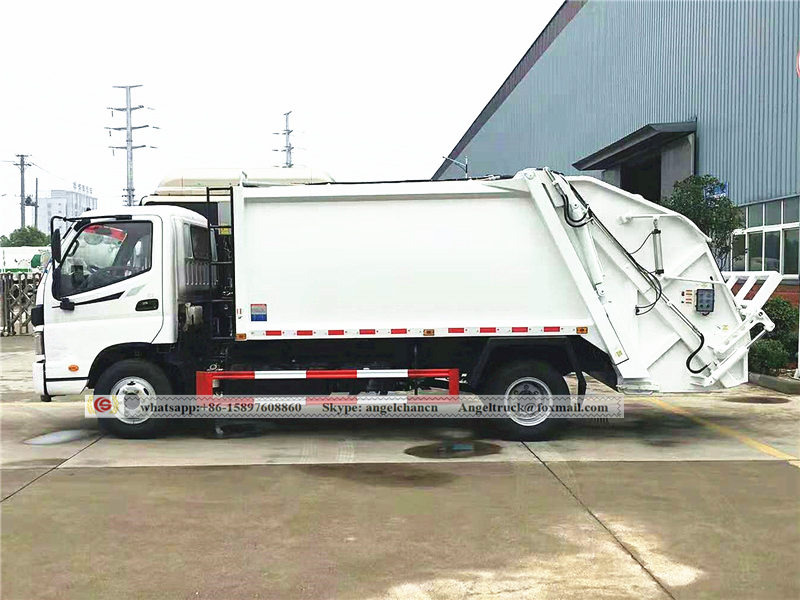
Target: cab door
x,y
109,292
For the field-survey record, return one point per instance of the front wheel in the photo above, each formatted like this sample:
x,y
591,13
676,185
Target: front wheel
x,y
526,390
135,384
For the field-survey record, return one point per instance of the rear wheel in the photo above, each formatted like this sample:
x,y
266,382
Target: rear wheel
x,y
525,390
135,383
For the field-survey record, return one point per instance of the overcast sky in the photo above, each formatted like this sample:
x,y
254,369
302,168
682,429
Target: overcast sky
x,y
377,90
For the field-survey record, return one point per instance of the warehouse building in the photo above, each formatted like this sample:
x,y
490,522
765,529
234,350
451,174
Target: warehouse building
x,y
645,93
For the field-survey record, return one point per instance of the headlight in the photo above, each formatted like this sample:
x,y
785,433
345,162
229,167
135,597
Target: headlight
x,y
38,342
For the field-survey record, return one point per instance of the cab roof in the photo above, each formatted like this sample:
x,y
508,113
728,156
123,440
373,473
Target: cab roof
x,y
161,210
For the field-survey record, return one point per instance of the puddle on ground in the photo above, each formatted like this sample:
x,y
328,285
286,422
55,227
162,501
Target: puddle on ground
x,y
758,400
454,449
61,437
664,443
388,475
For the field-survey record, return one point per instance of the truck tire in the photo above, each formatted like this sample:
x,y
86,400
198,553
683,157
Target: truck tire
x,y
522,379
133,379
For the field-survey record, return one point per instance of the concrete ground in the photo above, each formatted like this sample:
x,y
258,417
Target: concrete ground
x,y
16,356
686,497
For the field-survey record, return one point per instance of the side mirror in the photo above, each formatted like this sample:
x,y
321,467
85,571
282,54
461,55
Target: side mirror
x,y
55,245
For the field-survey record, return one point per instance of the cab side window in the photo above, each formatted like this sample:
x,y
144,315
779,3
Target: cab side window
x,y
200,242
105,253
196,247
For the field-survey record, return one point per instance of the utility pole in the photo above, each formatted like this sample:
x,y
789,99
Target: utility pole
x,y
287,147
36,206
128,129
21,164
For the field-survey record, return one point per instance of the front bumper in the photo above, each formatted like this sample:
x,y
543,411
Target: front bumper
x,y
38,378
58,386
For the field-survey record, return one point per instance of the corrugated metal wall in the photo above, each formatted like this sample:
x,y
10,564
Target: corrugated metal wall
x,y
619,65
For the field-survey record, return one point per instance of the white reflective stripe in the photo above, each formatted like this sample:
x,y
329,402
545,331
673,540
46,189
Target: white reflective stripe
x,y
380,373
280,374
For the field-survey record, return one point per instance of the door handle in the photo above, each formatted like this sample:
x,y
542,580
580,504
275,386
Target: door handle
x,y
66,304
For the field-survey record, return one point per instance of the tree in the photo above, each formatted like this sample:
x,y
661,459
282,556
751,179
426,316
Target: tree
x,y
785,317
25,236
704,200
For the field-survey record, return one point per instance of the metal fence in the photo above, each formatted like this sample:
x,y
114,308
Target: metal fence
x,y
18,297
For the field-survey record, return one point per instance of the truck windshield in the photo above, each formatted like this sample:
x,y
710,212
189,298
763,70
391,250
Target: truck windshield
x,y
105,253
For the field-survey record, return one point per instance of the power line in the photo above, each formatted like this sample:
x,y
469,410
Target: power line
x,y
54,175
128,129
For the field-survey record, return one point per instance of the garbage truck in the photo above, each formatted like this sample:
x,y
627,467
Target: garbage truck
x,y
497,285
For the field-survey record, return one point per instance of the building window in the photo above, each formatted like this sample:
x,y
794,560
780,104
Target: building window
x,y
755,215
739,256
772,213
768,239
791,214
755,247
791,237
772,251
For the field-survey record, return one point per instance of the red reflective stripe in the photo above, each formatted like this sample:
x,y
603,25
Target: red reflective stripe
x,y
335,331
455,330
204,380
273,332
366,331
233,374
488,330
551,329
429,372
453,382
451,374
304,332
203,383
340,374
399,330
519,330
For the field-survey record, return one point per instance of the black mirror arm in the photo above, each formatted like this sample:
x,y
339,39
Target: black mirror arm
x,y
56,280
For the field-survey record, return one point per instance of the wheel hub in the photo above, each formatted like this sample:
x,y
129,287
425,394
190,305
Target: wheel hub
x,y
134,395
528,401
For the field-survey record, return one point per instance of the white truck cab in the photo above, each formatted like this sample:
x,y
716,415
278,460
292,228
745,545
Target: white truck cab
x,y
117,287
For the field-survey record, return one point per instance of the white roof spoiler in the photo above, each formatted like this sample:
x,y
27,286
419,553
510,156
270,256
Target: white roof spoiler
x,y
193,182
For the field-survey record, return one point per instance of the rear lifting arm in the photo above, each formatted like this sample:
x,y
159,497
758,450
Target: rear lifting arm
x,y
496,346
